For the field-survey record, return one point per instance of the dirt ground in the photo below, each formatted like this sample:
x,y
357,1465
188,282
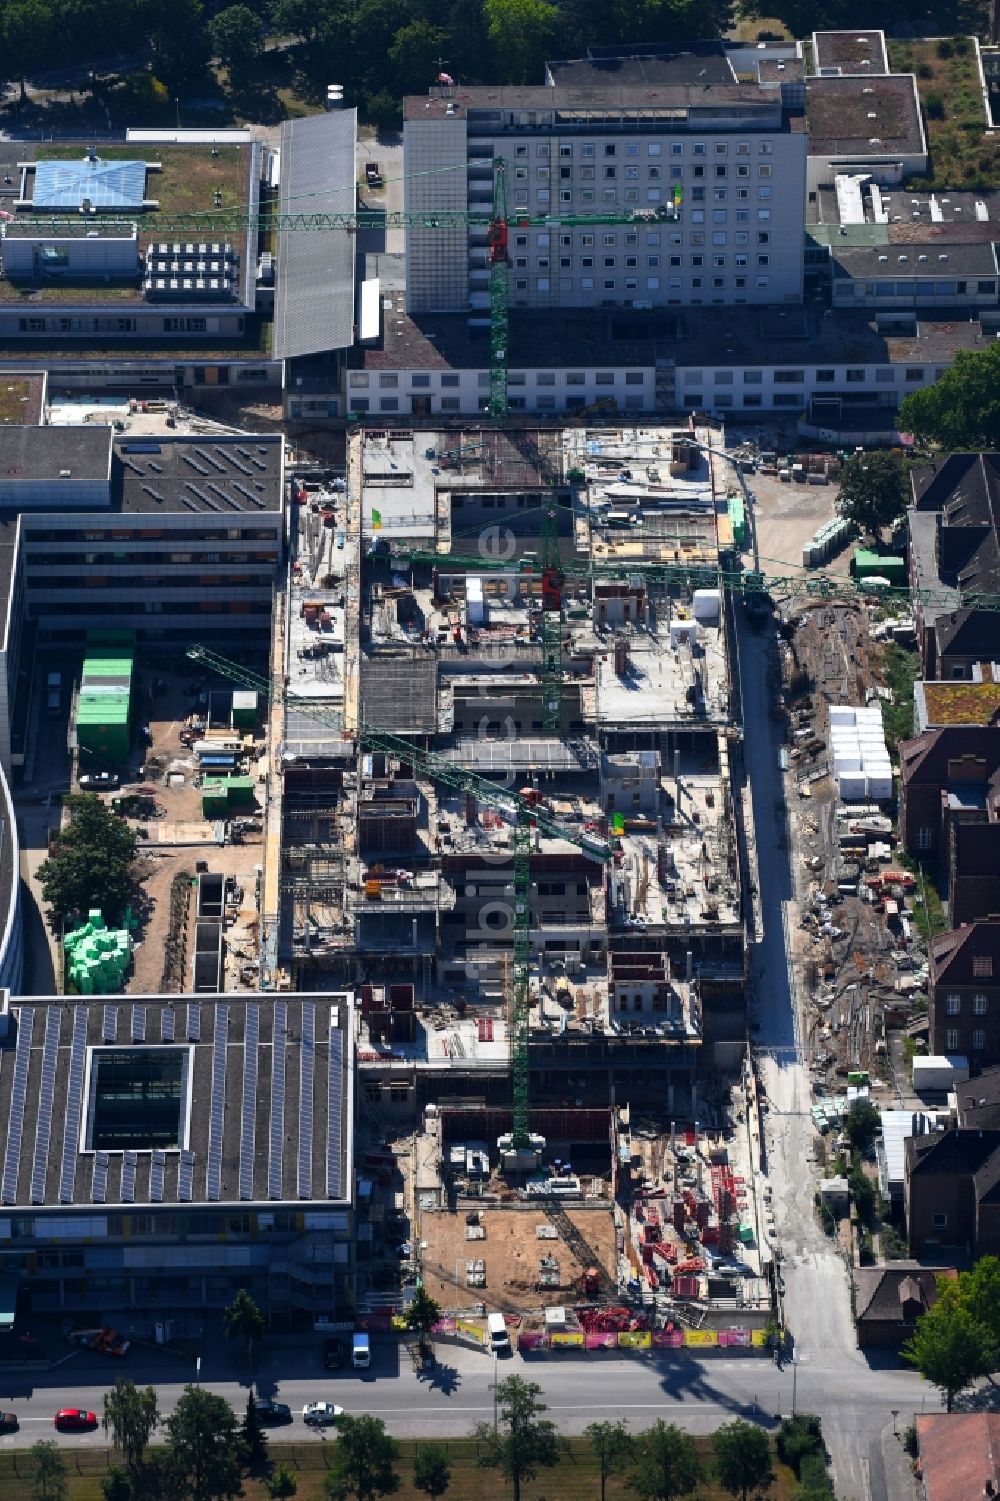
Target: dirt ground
x,y
162,865
787,517
511,1252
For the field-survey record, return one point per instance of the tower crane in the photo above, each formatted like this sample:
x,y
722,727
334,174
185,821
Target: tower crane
x,y
518,811
496,224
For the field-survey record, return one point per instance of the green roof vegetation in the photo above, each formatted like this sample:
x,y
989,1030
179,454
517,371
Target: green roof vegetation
x,y
961,153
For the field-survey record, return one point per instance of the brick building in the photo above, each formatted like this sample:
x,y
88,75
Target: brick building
x,y
964,1010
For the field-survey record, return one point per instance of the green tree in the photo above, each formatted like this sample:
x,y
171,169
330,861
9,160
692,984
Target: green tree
x,y
282,1485
742,1458
612,1446
243,1320
814,1476
179,43
28,33
667,1464
873,490
961,410
254,1437
422,1313
49,1475
90,862
524,1441
861,1124
951,1348
130,1416
431,1469
364,1461
520,32
116,1485
978,1291
413,54
797,1437
205,1446
237,38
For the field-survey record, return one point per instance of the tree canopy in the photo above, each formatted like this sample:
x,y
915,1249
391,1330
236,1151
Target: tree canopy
x,y
49,1475
422,1312
364,1460
206,1448
243,1319
962,408
130,1416
667,1463
873,490
90,862
431,1469
951,1347
613,1447
525,1441
742,1454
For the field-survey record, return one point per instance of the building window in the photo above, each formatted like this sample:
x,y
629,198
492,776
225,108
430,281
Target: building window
x,y
982,966
449,380
451,404
390,404
388,382
914,374
420,382
753,377
939,1221
951,1039
925,839
358,378
978,1039
788,377
979,1004
952,1005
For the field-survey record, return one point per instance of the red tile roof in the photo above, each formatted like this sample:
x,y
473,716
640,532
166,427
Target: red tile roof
x,y
959,1454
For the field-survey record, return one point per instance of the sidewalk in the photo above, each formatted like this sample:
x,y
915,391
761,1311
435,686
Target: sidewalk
x,y
900,1481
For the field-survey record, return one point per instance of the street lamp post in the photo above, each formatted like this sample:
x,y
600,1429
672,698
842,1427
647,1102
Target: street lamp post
x,y
895,1415
495,1416
197,1370
795,1381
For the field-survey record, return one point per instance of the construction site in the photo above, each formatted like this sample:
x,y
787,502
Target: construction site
x,y
499,809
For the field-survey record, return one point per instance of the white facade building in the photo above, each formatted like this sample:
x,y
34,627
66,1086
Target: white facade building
x,y
697,196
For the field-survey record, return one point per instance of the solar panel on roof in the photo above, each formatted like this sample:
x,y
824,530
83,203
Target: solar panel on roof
x,y
276,1140
193,1021
99,1182
167,1020
74,1101
46,1094
307,1074
185,1177
203,454
129,1163
157,1166
18,1093
109,1030
138,1023
186,501
102,184
194,463
248,1120
153,494
213,1181
334,1099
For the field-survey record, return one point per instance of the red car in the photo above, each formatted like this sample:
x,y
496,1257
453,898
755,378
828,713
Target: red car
x,y
74,1420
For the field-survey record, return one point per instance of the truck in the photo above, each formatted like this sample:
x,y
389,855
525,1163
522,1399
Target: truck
x,y
361,1352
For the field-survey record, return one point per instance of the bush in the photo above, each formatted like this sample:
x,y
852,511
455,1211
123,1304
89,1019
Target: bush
x,y
944,49
925,71
910,1443
814,1478
798,1438
934,105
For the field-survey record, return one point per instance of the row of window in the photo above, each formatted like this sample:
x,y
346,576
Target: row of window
x,y
853,375
587,150
543,196
359,379
124,325
631,174
610,262
953,1005
516,403
978,1043
631,283
675,238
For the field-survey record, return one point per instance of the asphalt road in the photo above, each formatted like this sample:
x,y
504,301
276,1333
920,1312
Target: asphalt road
x,y
697,1393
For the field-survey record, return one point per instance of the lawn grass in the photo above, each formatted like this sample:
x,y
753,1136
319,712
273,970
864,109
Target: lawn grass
x,y
961,155
575,1478
17,401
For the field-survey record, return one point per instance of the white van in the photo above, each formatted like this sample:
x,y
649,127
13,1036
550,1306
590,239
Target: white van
x,y
497,1330
361,1352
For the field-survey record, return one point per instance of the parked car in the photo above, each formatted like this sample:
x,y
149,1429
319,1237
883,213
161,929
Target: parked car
x,y
8,1422
106,1340
333,1354
75,1420
272,1414
321,1414
100,781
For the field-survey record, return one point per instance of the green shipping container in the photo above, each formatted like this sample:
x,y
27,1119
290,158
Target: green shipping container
x,y
738,517
868,564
